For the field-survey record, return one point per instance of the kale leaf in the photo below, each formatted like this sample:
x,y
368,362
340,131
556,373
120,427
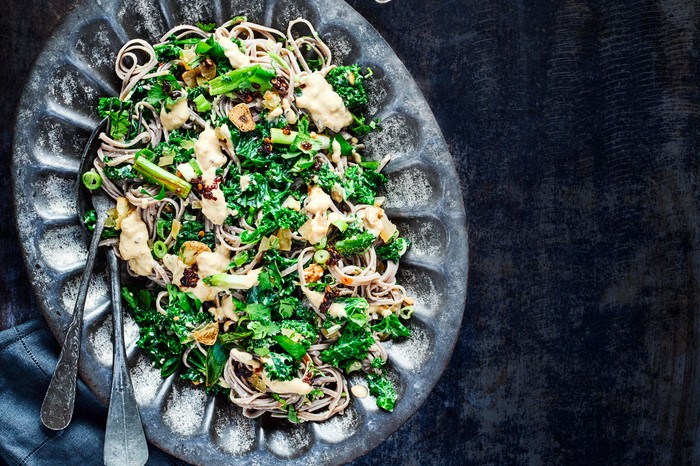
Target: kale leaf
x,y
394,250
191,231
155,338
347,82
392,326
351,346
382,388
361,186
356,244
279,366
119,124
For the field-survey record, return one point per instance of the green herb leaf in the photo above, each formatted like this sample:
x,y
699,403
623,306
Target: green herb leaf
x,y
216,360
382,388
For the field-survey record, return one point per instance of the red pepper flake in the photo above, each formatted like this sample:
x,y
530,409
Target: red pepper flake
x,y
189,277
280,84
334,257
329,296
205,190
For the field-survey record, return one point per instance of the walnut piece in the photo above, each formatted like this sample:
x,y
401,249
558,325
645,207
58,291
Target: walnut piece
x,y
313,273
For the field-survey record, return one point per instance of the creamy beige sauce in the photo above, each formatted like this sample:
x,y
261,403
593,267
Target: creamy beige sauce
x,y
237,58
208,154
208,263
207,151
216,210
315,229
133,244
177,115
323,103
316,298
284,387
245,182
376,221
336,151
318,202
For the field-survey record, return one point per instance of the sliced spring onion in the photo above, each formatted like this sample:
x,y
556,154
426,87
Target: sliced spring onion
x,y
202,103
92,180
321,256
278,136
279,60
406,312
240,258
159,249
195,166
157,175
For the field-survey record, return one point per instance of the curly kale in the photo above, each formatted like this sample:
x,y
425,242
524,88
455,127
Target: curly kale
x,y
351,346
347,82
394,250
382,388
280,366
361,186
155,338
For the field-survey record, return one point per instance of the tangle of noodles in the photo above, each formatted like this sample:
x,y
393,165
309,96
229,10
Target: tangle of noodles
x,y
287,254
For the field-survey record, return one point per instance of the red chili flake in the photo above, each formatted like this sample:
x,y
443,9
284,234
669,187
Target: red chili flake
x,y
306,145
205,190
189,277
280,84
329,296
334,257
246,96
307,378
286,130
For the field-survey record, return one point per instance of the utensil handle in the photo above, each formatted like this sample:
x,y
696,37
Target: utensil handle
x,y
57,408
125,441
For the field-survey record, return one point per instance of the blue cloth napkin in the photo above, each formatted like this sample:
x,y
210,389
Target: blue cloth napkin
x,y
28,355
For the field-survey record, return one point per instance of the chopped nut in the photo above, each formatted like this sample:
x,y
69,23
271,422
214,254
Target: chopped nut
x,y
208,334
313,273
241,117
192,249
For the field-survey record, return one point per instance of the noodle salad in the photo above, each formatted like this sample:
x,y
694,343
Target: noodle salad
x,y
266,263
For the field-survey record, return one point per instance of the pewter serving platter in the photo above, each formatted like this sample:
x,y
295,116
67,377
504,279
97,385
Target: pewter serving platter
x,y
55,118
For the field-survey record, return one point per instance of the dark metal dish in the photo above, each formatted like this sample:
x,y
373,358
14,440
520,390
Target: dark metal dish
x,y
56,115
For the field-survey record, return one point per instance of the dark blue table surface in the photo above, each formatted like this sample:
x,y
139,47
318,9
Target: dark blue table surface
x,y
574,127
